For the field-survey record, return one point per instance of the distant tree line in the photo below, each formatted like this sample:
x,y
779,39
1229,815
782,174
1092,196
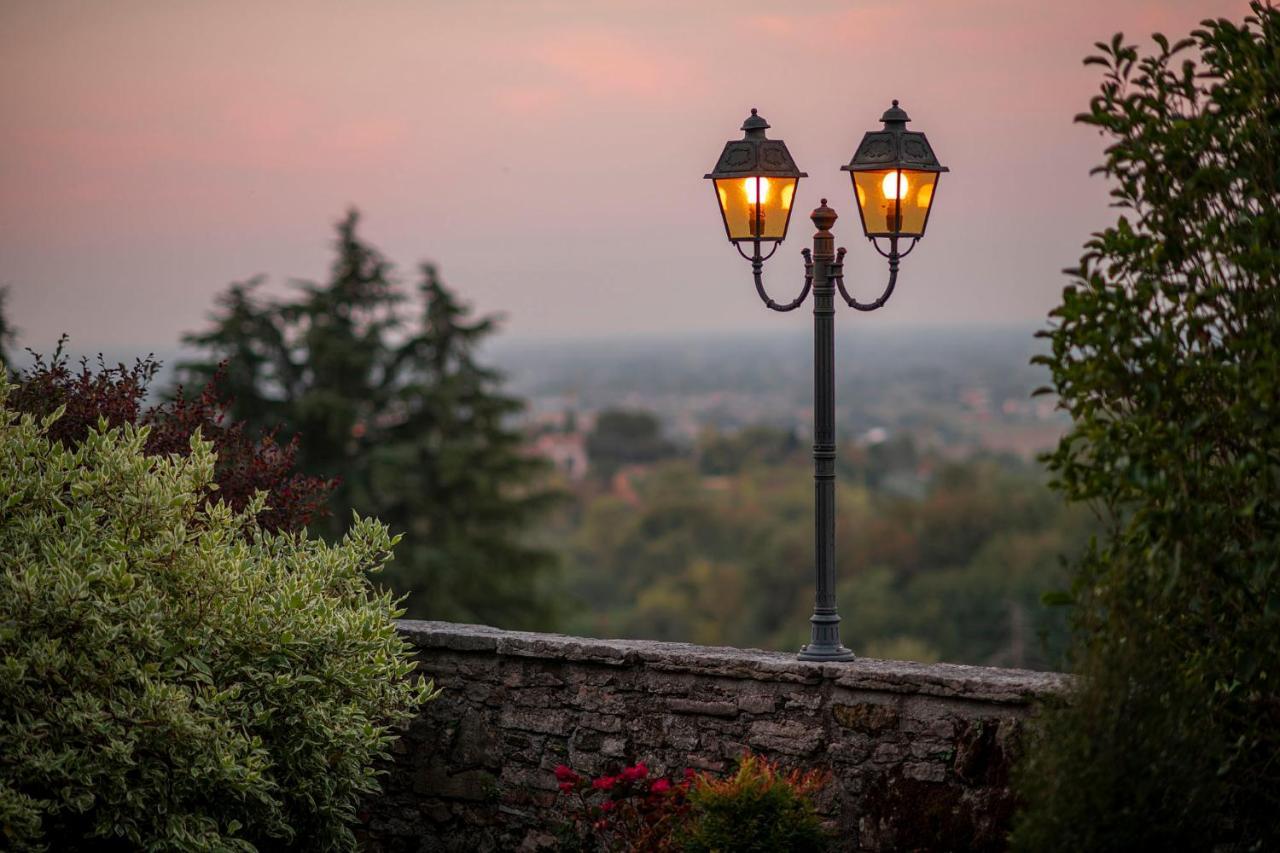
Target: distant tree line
x,y
938,559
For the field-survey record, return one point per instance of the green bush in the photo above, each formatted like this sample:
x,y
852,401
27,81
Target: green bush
x,y
1166,352
171,675
756,810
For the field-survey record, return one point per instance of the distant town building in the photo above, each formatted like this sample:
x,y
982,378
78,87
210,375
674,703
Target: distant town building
x,y
567,452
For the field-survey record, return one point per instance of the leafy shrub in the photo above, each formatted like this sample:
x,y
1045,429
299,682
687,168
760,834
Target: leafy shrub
x,y
246,464
172,675
758,808
1166,352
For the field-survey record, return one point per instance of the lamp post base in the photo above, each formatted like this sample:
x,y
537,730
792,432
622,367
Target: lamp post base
x,y
824,653
824,642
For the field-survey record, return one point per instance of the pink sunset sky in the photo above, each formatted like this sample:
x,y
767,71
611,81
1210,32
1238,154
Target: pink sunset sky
x,y
548,156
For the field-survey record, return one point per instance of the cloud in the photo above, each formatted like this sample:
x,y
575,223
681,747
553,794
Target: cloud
x,y
605,64
527,100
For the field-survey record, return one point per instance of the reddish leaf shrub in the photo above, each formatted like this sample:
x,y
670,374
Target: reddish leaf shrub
x,y
246,464
759,807
115,394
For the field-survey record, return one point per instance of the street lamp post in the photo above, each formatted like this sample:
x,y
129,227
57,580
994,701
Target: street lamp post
x,y
894,174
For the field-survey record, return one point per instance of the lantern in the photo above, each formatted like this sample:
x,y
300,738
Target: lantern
x,y
755,182
895,177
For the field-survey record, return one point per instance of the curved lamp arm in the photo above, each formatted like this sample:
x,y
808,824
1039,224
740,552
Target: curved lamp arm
x,y
837,273
757,272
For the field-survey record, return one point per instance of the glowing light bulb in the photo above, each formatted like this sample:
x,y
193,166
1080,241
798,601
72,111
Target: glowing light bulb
x,y
749,187
892,188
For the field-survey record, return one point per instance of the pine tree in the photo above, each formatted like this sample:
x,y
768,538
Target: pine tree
x,y
452,473
318,364
398,409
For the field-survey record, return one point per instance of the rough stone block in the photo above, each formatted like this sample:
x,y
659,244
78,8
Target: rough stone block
x,y
601,722
925,771
601,699
808,700
792,738
586,741
929,748
850,750
756,703
889,753
475,744
709,709
535,720
533,778
867,717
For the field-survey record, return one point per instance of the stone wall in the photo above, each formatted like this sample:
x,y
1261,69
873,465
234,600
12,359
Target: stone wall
x,y
920,754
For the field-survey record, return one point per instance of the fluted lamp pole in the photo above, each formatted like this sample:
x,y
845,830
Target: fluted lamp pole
x,y
895,175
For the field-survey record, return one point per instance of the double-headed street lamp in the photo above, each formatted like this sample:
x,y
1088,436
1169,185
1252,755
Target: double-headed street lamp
x,y
895,175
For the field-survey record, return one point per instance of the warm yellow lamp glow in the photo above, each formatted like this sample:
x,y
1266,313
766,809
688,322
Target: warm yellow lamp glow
x,y
925,197
894,201
892,188
749,187
756,207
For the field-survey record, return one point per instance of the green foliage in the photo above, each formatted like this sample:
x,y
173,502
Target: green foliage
x,y
172,676
623,437
1166,352
954,572
758,809
388,396
758,445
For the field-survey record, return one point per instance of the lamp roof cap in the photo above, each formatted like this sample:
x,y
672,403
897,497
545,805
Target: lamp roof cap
x,y
894,147
895,115
755,155
754,122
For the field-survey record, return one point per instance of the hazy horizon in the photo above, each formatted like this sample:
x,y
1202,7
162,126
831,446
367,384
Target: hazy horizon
x,y
548,156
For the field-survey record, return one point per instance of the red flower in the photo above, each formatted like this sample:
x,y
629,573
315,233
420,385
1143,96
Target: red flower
x,y
661,786
632,774
566,787
604,783
689,774
606,805
564,774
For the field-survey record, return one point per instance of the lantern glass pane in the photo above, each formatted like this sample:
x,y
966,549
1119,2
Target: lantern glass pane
x,y
888,209
755,207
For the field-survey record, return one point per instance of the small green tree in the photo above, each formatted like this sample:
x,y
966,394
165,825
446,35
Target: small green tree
x,y
172,675
1166,352
399,410
625,437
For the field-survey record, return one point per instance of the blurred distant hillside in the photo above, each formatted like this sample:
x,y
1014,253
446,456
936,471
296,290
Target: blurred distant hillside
x,y
956,389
